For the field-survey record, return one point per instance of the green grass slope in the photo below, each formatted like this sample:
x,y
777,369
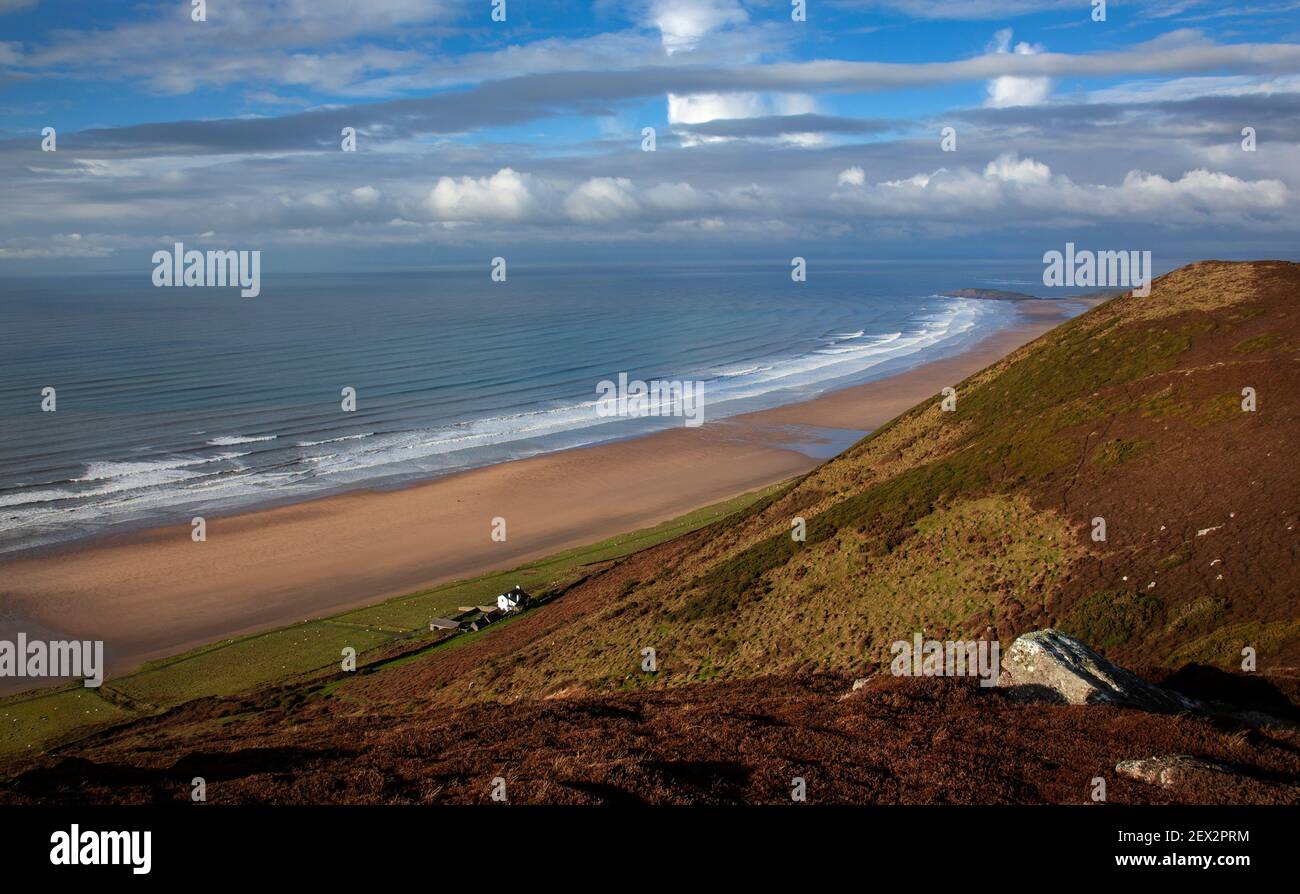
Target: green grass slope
x,y
389,632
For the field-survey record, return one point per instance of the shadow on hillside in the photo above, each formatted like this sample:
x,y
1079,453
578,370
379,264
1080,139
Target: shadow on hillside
x,y
607,794
75,778
1243,692
725,779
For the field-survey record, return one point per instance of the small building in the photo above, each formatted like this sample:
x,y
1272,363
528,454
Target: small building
x,y
513,600
444,624
485,619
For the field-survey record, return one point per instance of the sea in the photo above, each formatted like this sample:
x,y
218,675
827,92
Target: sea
x,y
171,403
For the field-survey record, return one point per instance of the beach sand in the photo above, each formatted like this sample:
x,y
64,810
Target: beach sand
x,y
155,593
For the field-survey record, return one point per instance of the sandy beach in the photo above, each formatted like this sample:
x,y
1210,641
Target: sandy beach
x,y
155,593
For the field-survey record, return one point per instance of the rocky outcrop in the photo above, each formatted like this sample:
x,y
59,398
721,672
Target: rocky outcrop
x,y
1057,667
1201,781
990,295
857,685
1169,769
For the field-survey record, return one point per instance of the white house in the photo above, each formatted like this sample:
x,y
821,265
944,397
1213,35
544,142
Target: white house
x,y
513,600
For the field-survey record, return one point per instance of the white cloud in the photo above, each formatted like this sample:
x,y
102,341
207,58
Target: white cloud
x,y
364,196
602,200
970,9
1179,89
676,198
263,42
921,180
853,176
505,196
699,108
512,197
683,23
1013,169
1208,191
1009,90
1027,189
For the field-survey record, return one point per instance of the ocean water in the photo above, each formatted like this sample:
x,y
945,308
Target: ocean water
x,y
180,402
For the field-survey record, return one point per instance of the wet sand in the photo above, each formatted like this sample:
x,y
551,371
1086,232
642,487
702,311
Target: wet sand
x,y
155,593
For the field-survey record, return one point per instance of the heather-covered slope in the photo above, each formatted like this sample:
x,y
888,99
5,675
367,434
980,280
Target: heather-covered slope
x,y
960,524
895,741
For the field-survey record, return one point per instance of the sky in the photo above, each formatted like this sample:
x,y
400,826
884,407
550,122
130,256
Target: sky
x,y
525,138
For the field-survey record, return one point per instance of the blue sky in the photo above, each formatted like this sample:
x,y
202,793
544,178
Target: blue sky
x,y
523,137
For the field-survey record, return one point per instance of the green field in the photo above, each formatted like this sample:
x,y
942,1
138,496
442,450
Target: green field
x,y
33,721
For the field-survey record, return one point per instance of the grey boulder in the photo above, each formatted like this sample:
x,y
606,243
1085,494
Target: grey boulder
x,y
1050,664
